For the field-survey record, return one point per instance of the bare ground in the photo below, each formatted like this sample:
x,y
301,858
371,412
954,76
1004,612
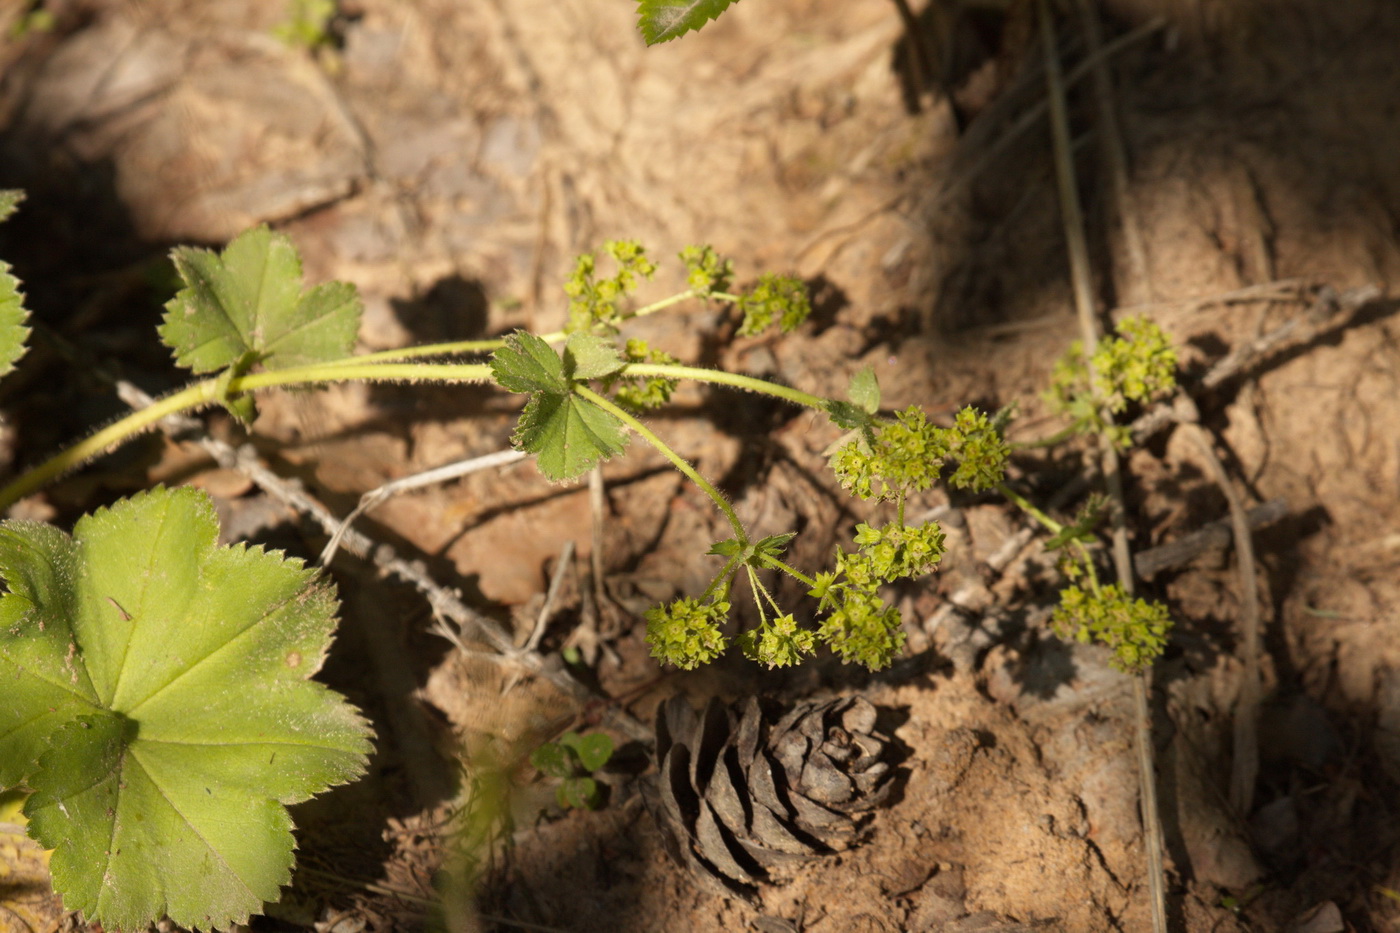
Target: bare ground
x,y
457,155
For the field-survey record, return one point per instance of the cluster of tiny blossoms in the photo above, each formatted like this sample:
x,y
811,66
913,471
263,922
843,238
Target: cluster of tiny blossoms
x,y
1136,366
594,301
1135,629
889,461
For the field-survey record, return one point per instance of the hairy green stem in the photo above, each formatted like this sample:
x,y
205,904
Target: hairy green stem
x,y
795,574
1030,508
679,462
758,590
1054,440
721,578
208,392
358,370
1054,528
487,346
193,397
721,377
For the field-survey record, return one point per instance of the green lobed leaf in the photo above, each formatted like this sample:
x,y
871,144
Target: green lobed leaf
x,y
249,299
567,434
528,364
593,750
864,390
772,547
726,548
157,702
664,20
13,333
13,314
552,758
587,356
581,793
848,416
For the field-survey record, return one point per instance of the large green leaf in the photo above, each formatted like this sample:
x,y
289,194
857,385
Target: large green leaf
x,y
13,333
566,433
664,20
246,305
156,700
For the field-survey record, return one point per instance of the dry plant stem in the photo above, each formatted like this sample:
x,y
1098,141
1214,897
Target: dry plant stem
x,y
1028,120
1328,304
921,60
556,583
1081,278
418,480
1115,157
597,506
1278,290
1244,769
1180,551
444,603
1082,281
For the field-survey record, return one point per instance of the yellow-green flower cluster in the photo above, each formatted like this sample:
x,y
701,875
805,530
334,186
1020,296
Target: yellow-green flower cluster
x,y
595,303
706,270
1135,629
686,633
779,642
776,297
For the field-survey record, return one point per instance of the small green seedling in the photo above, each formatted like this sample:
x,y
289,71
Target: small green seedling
x,y
309,24
573,760
33,20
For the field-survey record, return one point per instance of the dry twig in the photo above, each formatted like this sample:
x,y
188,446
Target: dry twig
x,y
1213,536
1244,769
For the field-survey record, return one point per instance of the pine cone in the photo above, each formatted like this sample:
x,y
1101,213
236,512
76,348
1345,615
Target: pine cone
x,y
735,797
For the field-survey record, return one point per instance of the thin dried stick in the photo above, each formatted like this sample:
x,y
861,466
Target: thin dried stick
x,y
1244,770
1328,304
418,480
556,580
1277,290
1215,535
1082,280
561,569
1115,157
1028,120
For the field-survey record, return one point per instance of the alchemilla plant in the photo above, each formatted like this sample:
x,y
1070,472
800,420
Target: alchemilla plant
x,y
157,699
